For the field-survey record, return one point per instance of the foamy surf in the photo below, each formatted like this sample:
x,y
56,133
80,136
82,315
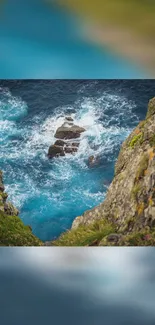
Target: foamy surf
x,y
51,193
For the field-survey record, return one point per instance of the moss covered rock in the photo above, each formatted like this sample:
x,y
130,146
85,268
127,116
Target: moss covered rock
x,y
13,232
130,201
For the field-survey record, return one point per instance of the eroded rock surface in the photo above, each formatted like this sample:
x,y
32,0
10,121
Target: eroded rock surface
x,y
130,201
67,132
12,230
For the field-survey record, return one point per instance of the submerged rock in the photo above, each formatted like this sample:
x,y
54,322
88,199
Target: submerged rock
x,y
93,161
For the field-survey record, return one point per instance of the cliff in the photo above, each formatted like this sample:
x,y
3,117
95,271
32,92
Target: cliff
x,y
12,230
127,216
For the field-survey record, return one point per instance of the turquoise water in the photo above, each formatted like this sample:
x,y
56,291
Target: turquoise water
x,y
42,41
51,193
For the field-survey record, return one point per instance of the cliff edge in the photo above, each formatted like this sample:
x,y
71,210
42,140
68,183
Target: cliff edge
x,y
127,215
12,230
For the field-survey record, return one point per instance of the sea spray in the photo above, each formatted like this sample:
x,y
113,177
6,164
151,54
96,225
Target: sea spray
x,y
51,193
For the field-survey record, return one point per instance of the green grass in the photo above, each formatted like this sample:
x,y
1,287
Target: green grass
x,y
151,108
152,141
89,235
14,233
142,167
141,238
136,189
135,140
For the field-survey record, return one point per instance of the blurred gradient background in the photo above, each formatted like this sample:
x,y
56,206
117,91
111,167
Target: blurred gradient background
x,y
72,286
77,39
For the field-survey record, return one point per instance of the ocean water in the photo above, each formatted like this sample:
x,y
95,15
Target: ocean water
x,y
51,193
44,41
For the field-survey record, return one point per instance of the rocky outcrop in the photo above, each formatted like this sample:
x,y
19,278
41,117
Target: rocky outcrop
x,y
69,132
12,230
129,206
65,135
93,161
56,151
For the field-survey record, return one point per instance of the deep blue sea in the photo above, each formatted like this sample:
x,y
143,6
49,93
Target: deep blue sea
x,y
38,40
51,193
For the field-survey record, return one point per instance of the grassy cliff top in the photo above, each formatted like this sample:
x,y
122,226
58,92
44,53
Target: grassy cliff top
x,y
14,233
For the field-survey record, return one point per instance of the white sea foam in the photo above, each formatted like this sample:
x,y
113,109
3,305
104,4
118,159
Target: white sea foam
x,y
64,179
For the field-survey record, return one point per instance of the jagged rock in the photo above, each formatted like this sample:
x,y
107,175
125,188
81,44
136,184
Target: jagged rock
x,y
55,151
60,143
129,205
60,148
66,132
130,201
75,144
10,210
1,182
70,149
13,232
93,161
69,118
72,132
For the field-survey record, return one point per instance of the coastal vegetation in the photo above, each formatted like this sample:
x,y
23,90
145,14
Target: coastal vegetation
x,y
127,215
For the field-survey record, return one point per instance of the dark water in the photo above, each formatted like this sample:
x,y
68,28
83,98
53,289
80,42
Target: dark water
x,y
38,40
50,194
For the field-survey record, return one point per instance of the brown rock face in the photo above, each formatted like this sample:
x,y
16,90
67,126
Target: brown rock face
x,y
1,182
60,143
60,148
55,151
67,133
130,200
69,118
71,150
6,207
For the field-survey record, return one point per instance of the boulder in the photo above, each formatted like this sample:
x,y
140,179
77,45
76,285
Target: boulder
x,y
67,133
93,161
60,143
69,118
10,210
75,144
55,151
71,150
114,238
